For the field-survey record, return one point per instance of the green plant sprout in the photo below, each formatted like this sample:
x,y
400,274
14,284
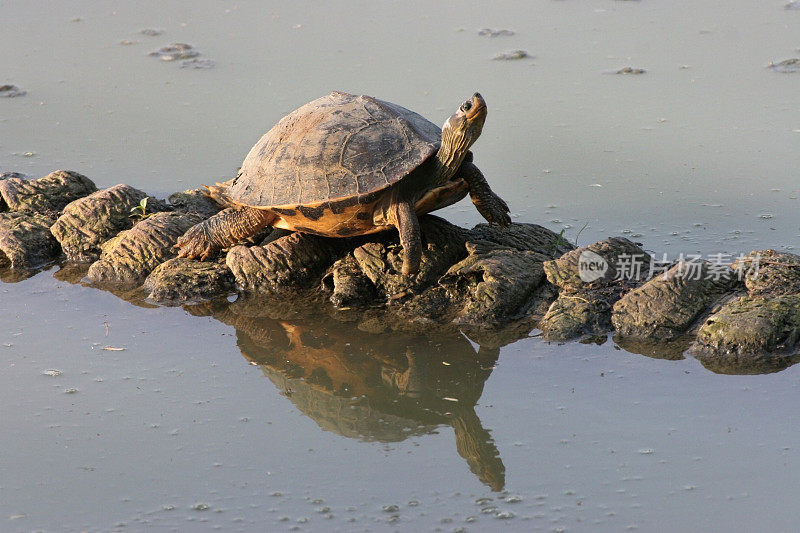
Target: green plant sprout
x,y
141,209
561,239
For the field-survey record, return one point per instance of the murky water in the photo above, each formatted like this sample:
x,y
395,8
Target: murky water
x,y
124,416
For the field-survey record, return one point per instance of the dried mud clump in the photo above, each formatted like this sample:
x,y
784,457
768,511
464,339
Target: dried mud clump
x,y
89,222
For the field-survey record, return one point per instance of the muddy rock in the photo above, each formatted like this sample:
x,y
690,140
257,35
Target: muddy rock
x,y
348,285
18,175
629,70
194,201
787,66
599,264
293,261
496,286
493,283
25,241
11,91
44,195
489,283
523,237
490,32
512,55
752,326
769,272
381,262
482,277
591,279
128,258
668,305
90,221
180,280
175,51
577,314
502,280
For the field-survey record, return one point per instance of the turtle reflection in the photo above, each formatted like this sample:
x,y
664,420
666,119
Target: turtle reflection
x,y
383,388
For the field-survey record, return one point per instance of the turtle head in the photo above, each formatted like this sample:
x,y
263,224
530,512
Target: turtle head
x,y
462,129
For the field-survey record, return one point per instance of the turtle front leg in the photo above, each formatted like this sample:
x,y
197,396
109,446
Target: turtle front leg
x,y
223,230
491,207
403,217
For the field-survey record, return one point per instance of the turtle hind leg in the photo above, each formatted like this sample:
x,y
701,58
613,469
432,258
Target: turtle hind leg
x,y
402,215
491,207
224,229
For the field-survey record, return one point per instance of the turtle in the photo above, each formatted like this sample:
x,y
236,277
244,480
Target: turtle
x,y
345,165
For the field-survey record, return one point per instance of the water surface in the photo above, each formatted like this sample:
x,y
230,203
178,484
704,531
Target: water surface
x,y
210,420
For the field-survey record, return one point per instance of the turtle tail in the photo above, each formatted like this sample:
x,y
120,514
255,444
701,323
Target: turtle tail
x,y
219,193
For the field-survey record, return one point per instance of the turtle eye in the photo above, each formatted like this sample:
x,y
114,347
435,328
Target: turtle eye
x,y
466,106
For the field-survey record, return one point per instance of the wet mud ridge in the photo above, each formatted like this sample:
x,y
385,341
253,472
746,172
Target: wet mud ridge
x,y
495,285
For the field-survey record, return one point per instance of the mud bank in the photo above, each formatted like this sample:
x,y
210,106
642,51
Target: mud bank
x,y
495,285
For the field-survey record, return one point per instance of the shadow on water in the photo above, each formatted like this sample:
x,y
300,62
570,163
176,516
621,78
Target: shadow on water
x,y
375,387
730,363
303,312
747,365
388,387
251,314
670,350
15,275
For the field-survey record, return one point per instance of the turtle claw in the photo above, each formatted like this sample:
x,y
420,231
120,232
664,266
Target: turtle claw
x,y
494,209
195,244
502,203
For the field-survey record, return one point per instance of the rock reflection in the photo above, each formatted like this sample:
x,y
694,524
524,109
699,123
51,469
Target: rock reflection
x,y
375,387
734,364
15,275
74,273
671,350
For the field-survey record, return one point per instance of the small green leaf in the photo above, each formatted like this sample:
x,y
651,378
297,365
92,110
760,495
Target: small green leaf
x,y
141,209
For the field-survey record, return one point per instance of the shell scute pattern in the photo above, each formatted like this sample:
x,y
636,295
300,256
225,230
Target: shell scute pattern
x,y
336,151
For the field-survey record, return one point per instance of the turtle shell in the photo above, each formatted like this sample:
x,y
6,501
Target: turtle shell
x,y
338,147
